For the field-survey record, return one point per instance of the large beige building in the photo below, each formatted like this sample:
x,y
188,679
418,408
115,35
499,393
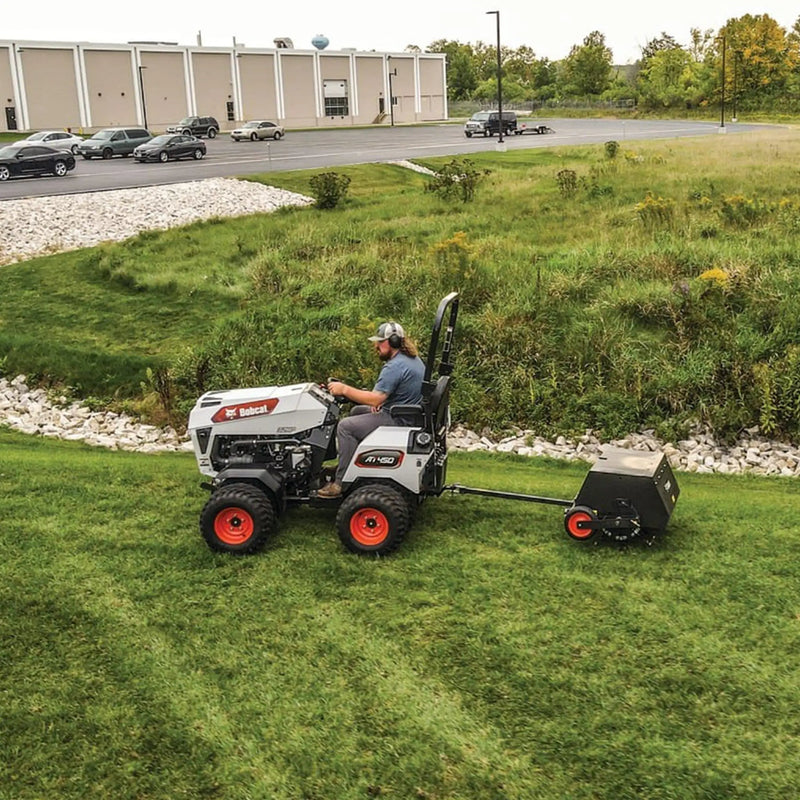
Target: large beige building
x,y
87,86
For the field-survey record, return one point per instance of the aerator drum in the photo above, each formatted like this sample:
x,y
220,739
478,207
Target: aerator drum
x,y
627,494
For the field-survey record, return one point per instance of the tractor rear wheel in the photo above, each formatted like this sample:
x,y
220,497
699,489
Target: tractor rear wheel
x,y
238,519
373,520
576,515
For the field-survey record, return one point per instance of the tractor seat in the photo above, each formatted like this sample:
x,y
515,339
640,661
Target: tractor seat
x,y
410,416
413,415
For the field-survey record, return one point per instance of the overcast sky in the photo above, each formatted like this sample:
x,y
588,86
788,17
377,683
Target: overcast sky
x,y
549,28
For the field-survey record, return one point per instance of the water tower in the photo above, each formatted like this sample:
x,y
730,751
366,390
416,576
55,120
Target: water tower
x,y
320,41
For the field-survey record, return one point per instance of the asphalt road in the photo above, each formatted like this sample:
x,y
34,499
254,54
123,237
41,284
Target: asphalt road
x,y
341,146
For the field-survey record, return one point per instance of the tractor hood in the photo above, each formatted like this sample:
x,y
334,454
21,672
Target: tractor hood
x,y
264,410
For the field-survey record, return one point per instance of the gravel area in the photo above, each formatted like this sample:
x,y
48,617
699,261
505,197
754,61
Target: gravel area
x,y
42,225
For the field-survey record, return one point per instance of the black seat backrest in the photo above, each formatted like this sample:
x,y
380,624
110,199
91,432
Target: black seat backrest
x,y
440,402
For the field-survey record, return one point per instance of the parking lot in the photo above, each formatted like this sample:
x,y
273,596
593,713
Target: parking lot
x,y
339,146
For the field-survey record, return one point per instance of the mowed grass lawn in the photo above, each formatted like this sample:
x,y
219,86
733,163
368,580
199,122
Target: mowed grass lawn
x,y
491,657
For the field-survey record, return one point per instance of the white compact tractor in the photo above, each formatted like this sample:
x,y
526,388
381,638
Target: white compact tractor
x,y
266,448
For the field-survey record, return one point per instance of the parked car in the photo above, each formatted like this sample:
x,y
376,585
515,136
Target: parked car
x,y
114,142
196,126
487,123
34,159
170,146
58,140
258,129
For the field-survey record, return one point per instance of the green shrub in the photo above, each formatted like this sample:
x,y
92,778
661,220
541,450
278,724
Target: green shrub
x,y
778,387
329,188
457,180
655,212
567,180
741,211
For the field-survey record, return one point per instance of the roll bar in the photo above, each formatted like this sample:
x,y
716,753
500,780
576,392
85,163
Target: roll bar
x,y
446,363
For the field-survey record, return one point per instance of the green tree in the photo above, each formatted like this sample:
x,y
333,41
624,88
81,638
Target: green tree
x,y
761,59
701,43
462,78
520,65
513,90
587,68
658,45
663,79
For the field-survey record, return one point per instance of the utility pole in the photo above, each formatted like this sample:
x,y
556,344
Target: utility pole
x,y
499,79
722,99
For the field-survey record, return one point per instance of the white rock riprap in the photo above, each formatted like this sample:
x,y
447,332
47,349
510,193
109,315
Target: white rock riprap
x,y
32,411
701,453
42,225
413,167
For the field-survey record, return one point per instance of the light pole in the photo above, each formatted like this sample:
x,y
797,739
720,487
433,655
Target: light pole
x,y
393,73
141,92
499,78
735,82
722,98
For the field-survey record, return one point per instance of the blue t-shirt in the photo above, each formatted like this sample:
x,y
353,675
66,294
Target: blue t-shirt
x,y
400,380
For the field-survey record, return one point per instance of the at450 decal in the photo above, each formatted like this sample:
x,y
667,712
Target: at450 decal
x,y
380,459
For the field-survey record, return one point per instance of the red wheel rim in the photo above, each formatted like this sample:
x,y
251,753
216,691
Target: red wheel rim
x,y
369,527
572,525
233,525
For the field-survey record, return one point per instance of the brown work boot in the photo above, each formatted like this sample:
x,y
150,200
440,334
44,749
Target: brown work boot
x,y
330,490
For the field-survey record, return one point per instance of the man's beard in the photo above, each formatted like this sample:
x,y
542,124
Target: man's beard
x,y
385,356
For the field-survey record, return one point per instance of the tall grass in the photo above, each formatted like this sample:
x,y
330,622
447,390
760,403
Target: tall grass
x,y
659,292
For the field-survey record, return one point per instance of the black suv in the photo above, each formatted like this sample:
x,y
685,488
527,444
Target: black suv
x,y
487,123
197,126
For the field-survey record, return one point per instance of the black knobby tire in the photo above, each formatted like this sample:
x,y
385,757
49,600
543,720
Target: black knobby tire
x,y
237,519
107,153
373,520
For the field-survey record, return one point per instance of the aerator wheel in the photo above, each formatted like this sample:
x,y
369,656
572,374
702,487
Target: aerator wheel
x,y
572,519
238,519
373,520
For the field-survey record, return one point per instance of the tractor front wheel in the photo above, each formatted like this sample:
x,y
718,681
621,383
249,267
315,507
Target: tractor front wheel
x,y
238,519
373,520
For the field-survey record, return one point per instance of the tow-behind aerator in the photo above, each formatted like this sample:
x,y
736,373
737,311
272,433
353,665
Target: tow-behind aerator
x,y
265,449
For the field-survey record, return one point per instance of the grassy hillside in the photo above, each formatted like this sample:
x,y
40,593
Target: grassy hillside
x,y
653,288
490,658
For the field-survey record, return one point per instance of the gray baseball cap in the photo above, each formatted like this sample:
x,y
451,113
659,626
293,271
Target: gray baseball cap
x,y
388,329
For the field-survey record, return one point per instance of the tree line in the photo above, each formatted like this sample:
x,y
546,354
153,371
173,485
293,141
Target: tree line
x,y
761,61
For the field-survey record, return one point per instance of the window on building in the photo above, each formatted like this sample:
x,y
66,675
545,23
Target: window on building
x,y
336,101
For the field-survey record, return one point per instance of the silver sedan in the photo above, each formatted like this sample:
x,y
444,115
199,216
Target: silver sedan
x,y
257,129
58,140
